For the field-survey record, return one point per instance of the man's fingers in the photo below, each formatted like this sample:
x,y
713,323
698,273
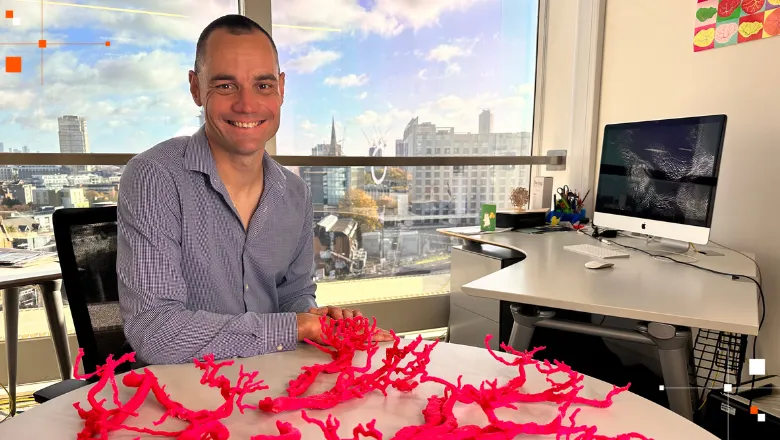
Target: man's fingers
x,y
383,336
319,310
335,313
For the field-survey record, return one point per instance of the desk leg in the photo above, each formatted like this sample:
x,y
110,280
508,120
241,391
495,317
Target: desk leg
x,y
52,302
11,310
674,348
525,318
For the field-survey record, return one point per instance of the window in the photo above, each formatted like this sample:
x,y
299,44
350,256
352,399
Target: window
x,y
121,98
375,73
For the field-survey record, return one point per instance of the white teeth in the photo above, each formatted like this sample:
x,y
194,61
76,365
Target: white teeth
x,y
245,124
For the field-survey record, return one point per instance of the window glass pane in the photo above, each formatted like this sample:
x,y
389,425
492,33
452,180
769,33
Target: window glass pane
x,y
388,75
385,225
125,97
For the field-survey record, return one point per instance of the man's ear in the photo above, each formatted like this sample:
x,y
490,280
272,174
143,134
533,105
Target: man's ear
x,y
281,85
195,88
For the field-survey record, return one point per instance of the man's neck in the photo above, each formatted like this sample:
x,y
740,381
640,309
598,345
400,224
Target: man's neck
x,y
239,173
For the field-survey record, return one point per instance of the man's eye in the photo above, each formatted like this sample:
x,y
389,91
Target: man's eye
x,y
224,86
264,86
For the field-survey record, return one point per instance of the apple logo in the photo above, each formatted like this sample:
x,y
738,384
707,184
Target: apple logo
x,y
644,225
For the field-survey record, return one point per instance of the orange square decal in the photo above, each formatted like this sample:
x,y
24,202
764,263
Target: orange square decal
x,y
754,410
42,44
108,43
9,14
13,64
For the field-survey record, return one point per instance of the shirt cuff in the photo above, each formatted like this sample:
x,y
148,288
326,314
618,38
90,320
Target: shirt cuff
x,y
282,332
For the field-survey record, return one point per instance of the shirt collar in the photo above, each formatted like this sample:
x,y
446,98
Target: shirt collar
x,y
198,157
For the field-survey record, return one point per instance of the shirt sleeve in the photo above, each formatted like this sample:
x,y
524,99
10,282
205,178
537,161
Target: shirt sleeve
x,y
297,289
153,291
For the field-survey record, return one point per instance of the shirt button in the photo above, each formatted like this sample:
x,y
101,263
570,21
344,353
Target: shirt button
x,y
280,348
246,287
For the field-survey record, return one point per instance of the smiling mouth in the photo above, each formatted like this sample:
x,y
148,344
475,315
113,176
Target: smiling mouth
x,y
239,124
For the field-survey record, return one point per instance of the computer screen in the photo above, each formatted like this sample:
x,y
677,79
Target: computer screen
x,y
662,170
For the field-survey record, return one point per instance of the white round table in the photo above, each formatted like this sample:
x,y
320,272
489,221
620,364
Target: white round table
x,y
57,419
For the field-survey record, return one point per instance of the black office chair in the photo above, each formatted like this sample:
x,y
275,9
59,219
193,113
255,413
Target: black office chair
x,y
86,246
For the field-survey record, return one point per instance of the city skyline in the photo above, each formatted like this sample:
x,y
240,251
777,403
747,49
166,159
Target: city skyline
x,y
441,61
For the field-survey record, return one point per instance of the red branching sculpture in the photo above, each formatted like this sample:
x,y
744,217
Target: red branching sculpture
x,y
344,338
201,424
331,426
440,422
286,432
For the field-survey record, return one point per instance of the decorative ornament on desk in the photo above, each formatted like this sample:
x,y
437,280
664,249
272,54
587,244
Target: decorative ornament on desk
x,y
519,198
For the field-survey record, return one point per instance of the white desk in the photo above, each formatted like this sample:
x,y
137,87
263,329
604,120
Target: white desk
x,y
47,276
672,297
57,419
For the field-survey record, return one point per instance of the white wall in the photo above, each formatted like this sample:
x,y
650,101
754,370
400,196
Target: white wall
x,y
570,90
650,71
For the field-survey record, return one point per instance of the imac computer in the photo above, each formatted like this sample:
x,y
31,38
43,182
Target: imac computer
x,y
659,177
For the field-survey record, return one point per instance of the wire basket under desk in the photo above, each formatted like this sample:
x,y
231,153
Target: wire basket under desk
x,y
718,359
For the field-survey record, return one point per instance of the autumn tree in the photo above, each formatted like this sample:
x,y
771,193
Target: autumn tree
x,y
387,202
398,175
361,207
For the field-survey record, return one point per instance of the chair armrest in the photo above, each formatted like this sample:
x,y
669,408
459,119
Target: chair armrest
x,y
50,392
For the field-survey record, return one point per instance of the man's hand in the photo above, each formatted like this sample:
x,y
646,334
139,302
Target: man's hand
x,y
335,312
309,326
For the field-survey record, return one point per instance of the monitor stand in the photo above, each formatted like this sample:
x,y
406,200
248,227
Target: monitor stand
x,y
668,245
657,244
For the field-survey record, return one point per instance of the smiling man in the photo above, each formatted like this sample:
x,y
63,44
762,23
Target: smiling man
x,y
215,243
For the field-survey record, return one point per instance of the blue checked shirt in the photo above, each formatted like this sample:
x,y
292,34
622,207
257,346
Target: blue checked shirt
x,y
192,280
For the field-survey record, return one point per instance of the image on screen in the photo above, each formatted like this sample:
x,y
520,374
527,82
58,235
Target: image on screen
x,y
661,170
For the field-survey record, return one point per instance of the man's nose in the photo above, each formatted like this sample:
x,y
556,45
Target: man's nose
x,y
247,101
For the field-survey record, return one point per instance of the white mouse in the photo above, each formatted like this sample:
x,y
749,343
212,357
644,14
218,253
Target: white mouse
x,y
598,264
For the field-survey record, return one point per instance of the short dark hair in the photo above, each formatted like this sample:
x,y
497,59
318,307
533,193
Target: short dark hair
x,y
234,24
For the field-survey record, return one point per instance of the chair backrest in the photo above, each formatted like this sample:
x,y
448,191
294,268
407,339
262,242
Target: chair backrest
x,y
86,246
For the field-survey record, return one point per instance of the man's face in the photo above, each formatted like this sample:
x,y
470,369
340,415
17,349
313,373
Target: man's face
x,y
241,90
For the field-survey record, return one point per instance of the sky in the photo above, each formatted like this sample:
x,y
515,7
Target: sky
x,y
372,65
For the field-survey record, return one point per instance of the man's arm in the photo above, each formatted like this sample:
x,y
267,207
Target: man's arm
x,y
297,290
153,292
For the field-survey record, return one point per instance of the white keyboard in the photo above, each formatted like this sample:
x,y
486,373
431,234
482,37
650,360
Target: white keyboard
x,y
596,251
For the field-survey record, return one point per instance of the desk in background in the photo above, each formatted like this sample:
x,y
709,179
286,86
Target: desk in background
x,y
47,277
667,299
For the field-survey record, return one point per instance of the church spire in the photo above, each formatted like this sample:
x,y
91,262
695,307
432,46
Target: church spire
x,y
333,134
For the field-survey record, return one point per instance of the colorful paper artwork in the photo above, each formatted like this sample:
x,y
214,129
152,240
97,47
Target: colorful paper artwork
x,y
721,23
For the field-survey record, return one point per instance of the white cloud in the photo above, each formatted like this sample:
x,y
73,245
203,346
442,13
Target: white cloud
x,y
452,69
385,18
458,48
422,74
362,96
308,125
446,52
129,28
312,61
350,80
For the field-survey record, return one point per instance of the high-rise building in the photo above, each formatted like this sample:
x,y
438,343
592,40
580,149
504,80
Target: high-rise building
x,y
486,122
73,137
73,134
2,148
459,191
25,149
